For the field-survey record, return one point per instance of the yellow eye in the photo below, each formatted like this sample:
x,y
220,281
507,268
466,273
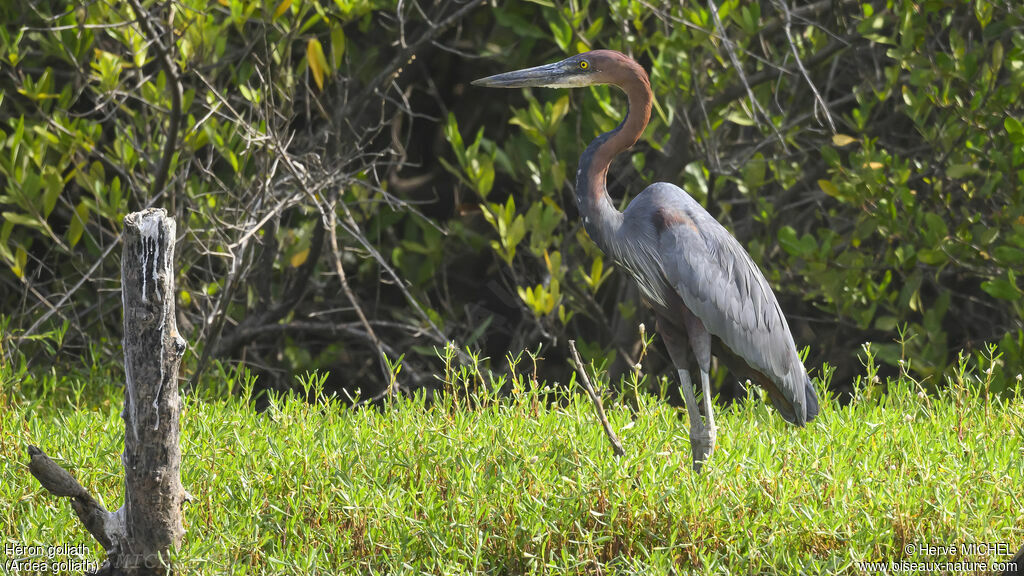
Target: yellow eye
x,y
584,65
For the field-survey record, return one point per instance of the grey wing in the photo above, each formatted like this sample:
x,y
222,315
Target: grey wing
x,y
721,285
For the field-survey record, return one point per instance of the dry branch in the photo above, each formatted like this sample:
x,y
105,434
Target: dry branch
x,y
173,87
332,226
408,53
756,79
787,27
755,104
62,484
598,406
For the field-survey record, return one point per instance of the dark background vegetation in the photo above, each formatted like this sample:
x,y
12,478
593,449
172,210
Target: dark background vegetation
x,y
347,201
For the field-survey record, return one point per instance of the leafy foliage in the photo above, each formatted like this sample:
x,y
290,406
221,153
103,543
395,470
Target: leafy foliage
x,y
868,154
926,221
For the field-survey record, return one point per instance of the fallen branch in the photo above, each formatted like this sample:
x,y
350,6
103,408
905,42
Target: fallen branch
x,y
598,406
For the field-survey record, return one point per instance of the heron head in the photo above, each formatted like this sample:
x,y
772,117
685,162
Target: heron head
x,y
586,69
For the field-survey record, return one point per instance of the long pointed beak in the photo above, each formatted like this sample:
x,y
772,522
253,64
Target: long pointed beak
x,y
547,75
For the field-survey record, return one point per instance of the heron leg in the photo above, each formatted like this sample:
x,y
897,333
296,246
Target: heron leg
x,y
711,431
679,350
700,343
698,432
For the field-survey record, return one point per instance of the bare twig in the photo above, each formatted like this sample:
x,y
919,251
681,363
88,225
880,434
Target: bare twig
x,y
215,322
598,406
758,78
802,12
408,53
67,296
754,102
352,329
330,221
256,324
173,86
820,102
350,226
712,138
332,229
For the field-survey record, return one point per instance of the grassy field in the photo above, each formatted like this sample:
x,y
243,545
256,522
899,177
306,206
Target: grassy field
x,y
518,486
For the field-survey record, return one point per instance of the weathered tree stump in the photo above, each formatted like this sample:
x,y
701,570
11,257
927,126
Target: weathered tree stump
x,y
140,536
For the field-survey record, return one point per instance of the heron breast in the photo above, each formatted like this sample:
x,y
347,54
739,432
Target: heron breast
x,y
649,291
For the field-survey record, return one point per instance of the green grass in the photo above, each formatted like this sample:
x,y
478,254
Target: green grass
x,y
512,486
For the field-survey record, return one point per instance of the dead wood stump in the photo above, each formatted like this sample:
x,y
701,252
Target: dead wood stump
x,y
140,536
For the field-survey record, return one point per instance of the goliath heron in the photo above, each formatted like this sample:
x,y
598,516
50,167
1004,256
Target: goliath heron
x,y
707,294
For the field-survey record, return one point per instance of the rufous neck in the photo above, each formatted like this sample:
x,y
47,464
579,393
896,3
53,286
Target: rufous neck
x,y
600,218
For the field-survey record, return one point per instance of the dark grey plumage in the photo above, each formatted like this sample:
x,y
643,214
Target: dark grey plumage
x,y
700,262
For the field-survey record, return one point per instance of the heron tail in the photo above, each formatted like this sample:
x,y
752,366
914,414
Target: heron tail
x,y
788,409
810,400
788,403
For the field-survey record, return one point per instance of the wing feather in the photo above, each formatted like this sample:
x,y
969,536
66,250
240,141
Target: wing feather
x,y
719,282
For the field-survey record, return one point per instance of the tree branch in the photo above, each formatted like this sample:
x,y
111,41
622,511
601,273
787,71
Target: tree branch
x,y
739,89
754,102
332,228
788,17
353,329
408,53
62,484
255,324
175,89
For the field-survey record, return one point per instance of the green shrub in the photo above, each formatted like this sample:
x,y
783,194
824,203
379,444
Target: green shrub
x,y
907,215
